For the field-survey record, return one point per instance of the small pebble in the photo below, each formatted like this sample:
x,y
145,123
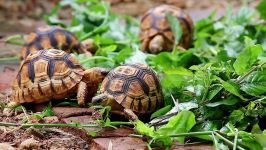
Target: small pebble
x,y
6,146
29,144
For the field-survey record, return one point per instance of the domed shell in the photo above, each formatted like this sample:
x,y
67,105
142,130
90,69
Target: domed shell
x,y
135,87
49,37
154,22
45,75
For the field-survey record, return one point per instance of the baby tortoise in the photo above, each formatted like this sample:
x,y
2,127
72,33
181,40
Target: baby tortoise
x,y
131,90
54,37
156,34
54,74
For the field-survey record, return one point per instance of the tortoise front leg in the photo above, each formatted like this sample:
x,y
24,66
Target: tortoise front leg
x,y
9,110
82,93
130,114
13,104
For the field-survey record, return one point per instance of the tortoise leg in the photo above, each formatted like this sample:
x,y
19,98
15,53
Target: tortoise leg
x,y
82,93
13,104
9,110
130,114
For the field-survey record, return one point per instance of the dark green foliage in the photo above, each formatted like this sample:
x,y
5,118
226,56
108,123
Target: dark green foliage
x,y
222,74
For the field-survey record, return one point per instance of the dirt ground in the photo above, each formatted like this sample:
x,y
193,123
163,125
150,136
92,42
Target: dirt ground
x,y
15,137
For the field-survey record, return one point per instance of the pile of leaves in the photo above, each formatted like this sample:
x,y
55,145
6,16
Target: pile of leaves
x,y
215,91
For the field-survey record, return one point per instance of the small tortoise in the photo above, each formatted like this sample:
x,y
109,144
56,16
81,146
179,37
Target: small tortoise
x,y
156,35
54,74
131,89
53,37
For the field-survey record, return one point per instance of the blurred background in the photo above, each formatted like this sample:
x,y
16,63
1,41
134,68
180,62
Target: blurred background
x,y
24,16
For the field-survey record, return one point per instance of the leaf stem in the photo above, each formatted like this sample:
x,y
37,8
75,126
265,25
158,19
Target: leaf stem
x,y
95,58
26,125
12,58
227,141
249,72
192,134
235,140
84,37
117,123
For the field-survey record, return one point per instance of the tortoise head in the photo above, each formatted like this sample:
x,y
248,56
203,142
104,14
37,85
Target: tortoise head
x,y
95,75
156,44
108,100
88,46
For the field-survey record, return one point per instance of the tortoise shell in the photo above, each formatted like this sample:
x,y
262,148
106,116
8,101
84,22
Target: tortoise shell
x,y
135,87
45,75
49,37
154,22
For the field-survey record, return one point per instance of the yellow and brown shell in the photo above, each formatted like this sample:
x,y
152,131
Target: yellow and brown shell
x,y
45,75
50,37
154,22
135,87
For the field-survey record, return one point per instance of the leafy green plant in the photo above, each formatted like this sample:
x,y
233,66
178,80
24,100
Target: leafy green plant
x,y
48,111
222,74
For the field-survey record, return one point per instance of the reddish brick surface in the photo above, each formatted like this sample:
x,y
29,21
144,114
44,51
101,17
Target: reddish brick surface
x,y
118,143
7,77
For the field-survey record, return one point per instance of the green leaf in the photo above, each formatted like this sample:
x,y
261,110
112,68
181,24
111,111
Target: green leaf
x,y
161,111
207,126
247,58
232,88
109,48
261,7
248,140
236,116
213,91
256,129
261,138
181,123
228,101
172,81
144,129
179,71
255,84
122,55
48,111
15,39
175,27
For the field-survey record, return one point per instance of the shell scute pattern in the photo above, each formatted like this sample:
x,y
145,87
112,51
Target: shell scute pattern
x,y
46,75
154,22
47,38
134,86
